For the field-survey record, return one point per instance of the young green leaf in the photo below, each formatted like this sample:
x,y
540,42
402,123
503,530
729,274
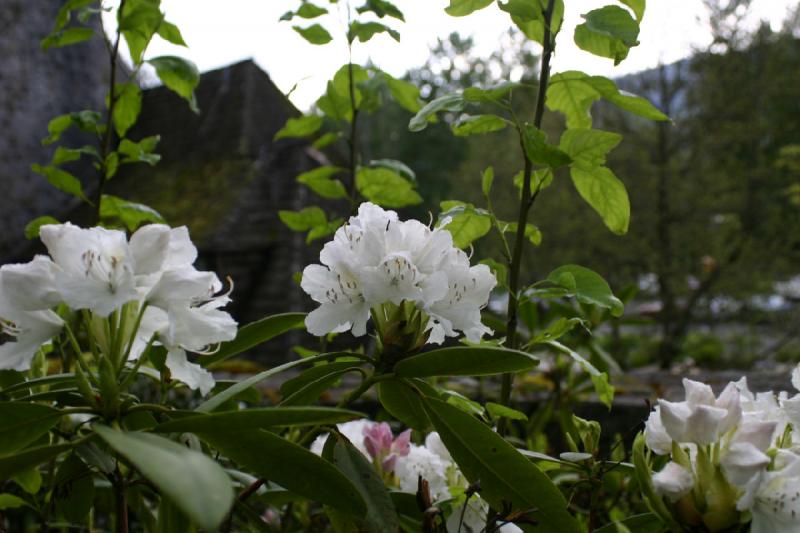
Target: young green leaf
x,y
472,125
140,152
364,31
603,389
448,102
309,11
487,178
127,106
462,8
319,180
637,6
130,214
67,37
528,15
138,22
465,361
492,94
194,482
61,180
540,152
467,223
588,147
587,286
606,194
507,478
314,34
255,333
608,32
406,94
170,33
9,501
386,188
33,227
179,75
291,466
304,126
303,220
501,411
395,166
381,8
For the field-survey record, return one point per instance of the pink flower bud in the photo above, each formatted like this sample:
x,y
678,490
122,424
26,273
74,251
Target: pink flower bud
x,y
402,444
378,439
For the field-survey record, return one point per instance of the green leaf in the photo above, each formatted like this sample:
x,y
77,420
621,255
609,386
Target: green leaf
x,y
127,107
314,34
640,523
23,423
605,193
382,8
255,333
179,75
386,188
290,466
319,180
310,11
138,22
506,477
140,152
501,411
74,489
468,223
573,93
364,31
325,140
65,12
318,378
465,361
608,32
405,93
461,8
84,120
540,152
477,124
637,6
490,95
61,180
556,329
130,214
587,286
170,33
448,102
487,178
111,164
604,390
9,501
257,418
304,126
528,15
14,464
29,480
33,227
499,270
398,167
587,146
404,403
193,482
323,230
303,220
67,37
381,514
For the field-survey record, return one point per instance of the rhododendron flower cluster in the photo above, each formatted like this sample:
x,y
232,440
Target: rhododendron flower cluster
x,y
731,457
410,462
147,284
375,258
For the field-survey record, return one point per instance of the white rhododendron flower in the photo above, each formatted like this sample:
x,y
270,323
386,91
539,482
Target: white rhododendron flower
x,y
375,259
101,271
673,481
701,418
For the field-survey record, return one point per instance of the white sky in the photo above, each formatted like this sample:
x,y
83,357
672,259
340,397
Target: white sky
x,y
220,32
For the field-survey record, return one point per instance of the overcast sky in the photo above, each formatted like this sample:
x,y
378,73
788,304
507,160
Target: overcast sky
x,y
220,32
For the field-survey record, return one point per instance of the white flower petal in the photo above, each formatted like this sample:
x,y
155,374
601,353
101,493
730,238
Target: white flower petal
x,y
655,434
742,461
149,247
30,286
193,375
673,481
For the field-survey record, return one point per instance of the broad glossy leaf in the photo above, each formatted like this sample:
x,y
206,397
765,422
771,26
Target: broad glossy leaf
x,y
257,418
587,286
73,489
501,411
404,403
291,466
319,180
465,361
22,423
127,106
587,146
255,333
605,193
307,387
178,74
540,152
504,474
461,8
364,31
304,126
386,188
61,180
13,464
604,390
381,514
195,483
608,32
468,223
448,102
478,124
314,34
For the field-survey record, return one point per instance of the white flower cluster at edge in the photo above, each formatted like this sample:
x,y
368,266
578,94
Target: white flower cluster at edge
x,y
434,464
375,258
755,438
101,271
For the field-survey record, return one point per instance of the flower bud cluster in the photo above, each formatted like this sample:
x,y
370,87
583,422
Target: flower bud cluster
x,y
375,259
410,462
732,457
147,284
